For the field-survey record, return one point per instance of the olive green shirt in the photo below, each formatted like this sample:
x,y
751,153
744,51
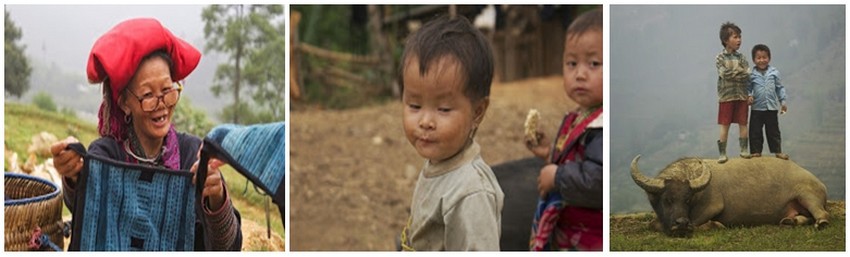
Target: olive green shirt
x,y
457,205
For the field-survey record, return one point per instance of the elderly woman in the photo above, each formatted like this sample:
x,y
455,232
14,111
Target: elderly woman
x,y
140,63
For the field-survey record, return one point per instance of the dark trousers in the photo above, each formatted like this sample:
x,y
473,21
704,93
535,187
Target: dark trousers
x,y
770,121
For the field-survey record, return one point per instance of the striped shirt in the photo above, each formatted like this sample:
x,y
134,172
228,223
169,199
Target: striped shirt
x,y
732,76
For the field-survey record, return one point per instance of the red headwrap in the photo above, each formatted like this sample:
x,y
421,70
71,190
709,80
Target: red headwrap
x,y
117,54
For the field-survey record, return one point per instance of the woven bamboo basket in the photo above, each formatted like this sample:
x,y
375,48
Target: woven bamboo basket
x,y
31,203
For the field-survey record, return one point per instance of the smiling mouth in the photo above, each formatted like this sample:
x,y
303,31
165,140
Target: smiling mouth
x,y
160,118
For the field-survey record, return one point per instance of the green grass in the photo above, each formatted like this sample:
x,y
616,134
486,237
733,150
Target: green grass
x,y
631,232
251,203
24,121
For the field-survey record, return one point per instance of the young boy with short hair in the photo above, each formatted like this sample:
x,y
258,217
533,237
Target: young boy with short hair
x,y
447,68
732,80
569,215
767,97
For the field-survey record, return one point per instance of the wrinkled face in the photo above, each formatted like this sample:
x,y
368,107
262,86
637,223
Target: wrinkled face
x,y
583,68
673,208
733,43
153,79
761,60
438,118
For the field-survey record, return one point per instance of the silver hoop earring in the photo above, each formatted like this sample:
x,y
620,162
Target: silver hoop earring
x,y
127,119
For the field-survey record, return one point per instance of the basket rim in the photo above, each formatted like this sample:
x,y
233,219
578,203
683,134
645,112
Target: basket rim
x,y
14,202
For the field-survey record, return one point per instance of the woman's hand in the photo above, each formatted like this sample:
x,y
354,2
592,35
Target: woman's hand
x,y
546,180
67,162
213,187
541,150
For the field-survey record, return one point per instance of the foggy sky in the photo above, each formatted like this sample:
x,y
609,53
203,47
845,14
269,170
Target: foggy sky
x,y
64,35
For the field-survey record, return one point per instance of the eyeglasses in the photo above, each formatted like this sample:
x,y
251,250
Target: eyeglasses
x,y
169,98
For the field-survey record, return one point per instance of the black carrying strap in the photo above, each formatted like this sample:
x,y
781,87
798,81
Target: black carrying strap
x,y
212,149
76,224
77,147
200,181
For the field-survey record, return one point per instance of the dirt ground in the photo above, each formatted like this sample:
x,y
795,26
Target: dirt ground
x,y
353,171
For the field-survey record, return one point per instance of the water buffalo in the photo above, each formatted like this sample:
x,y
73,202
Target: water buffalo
x,y
742,192
518,180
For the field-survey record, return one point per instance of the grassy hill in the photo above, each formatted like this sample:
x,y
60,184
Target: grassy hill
x,y
23,121
631,232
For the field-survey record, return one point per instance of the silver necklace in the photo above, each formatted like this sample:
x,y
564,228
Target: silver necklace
x,y
142,159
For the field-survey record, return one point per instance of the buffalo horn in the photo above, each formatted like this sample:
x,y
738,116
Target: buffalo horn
x,y
700,182
650,185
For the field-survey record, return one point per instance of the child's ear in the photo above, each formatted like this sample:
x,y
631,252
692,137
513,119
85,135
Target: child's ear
x,y
481,109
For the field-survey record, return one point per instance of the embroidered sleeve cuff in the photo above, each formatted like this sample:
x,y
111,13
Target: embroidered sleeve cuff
x,y
221,224
69,193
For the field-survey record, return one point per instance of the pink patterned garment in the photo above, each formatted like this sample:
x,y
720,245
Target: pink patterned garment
x,y
560,227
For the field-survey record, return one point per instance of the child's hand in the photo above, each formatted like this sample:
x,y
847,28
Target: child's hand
x,y
546,180
750,100
541,150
